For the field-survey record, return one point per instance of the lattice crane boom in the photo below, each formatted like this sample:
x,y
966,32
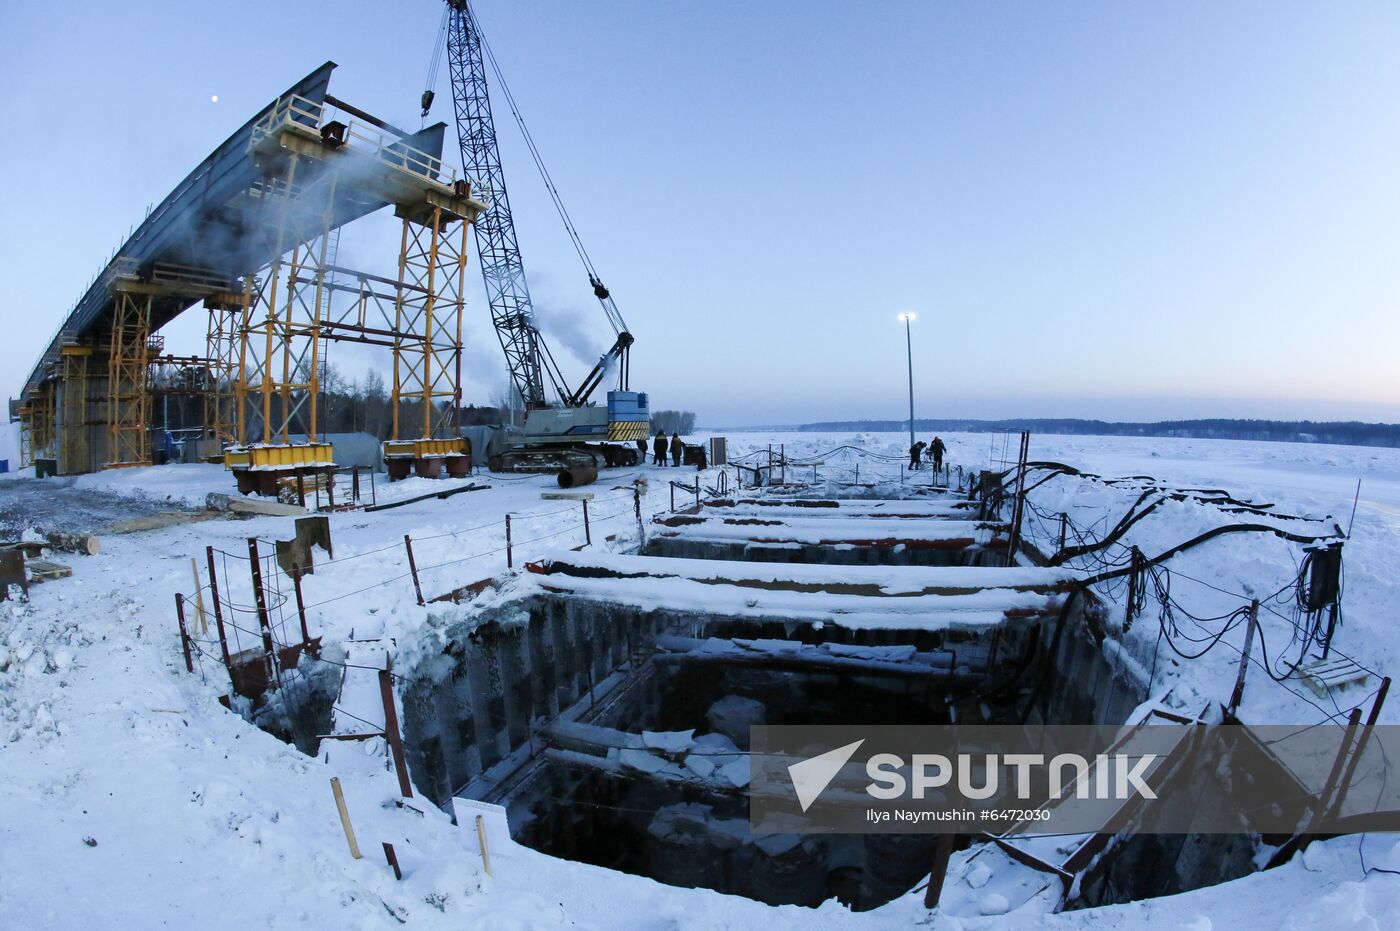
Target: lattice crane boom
x,y
503,271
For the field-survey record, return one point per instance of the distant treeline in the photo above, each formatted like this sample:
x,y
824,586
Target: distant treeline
x,y
1348,433
682,422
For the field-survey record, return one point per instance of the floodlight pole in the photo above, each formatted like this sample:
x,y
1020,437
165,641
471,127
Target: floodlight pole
x,y
909,349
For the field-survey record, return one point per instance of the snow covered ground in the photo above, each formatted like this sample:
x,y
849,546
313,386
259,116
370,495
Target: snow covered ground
x,y
1298,479
135,800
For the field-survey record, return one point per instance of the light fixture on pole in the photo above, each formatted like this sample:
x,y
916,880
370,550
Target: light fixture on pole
x,y
908,317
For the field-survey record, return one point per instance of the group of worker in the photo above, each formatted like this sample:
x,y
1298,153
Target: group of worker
x,y
659,446
936,449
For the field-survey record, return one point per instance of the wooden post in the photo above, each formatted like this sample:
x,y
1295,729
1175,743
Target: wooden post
x,y
673,496
218,609
413,568
510,556
697,491
264,621
391,732
345,818
782,455
942,853
637,506
199,597
184,635
1252,619
1064,530
587,533
481,842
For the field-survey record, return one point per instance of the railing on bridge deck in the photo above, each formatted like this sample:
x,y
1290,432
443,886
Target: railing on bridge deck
x,y
297,112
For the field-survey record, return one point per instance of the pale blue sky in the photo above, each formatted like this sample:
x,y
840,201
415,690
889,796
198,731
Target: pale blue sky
x,y
1128,211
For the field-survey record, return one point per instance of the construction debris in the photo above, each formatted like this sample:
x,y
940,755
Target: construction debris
x,y
241,505
84,543
294,556
46,570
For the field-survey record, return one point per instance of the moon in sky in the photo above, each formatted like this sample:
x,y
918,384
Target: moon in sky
x,y
214,98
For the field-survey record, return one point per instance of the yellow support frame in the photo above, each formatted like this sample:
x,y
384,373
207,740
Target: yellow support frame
x,y
36,428
222,336
422,449
128,366
280,335
428,323
74,456
299,456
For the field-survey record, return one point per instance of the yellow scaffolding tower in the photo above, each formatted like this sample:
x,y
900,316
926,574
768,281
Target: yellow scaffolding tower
x,y
36,428
74,455
302,299
226,312
128,394
428,322
280,337
26,434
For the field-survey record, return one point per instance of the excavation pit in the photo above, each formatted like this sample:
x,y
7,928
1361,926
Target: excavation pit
x,y
591,798
560,706
608,708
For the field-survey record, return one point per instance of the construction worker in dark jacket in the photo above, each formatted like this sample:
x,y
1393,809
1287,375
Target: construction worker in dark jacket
x,y
677,447
642,450
658,449
936,449
916,452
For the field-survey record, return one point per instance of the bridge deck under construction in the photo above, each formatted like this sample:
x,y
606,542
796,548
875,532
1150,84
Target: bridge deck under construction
x,y
246,233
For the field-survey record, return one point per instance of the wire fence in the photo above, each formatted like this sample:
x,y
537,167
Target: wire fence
x,y
1100,551
261,616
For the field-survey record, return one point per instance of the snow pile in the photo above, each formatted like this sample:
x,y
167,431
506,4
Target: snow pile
x,y
186,485
135,800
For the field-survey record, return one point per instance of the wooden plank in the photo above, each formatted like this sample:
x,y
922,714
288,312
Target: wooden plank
x,y
45,570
